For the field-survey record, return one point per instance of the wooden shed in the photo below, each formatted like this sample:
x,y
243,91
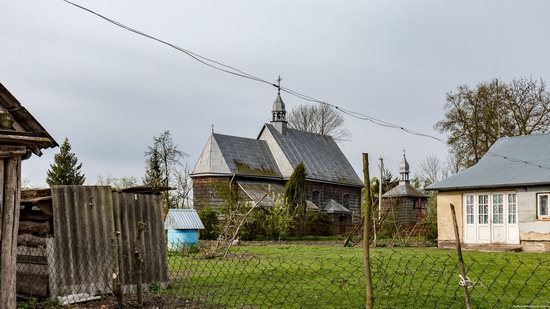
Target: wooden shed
x,y
78,242
21,135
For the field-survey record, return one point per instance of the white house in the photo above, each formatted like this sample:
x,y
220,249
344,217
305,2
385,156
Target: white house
x,y
503,199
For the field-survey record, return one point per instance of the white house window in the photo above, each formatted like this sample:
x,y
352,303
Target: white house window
x,y
498,208
483,209
543,211
470,216
512,209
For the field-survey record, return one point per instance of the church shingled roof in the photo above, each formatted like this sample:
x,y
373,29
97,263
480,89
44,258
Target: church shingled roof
x,y
225,154
275,154
320,154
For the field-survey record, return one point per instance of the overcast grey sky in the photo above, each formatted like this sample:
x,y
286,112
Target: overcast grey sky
x,y
110,91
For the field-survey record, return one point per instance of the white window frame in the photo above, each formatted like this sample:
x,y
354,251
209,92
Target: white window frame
x,y
547,216
470,215
487,209
495,215
515,205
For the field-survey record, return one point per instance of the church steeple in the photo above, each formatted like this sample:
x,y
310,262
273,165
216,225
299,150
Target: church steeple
x,y
278,111
404,170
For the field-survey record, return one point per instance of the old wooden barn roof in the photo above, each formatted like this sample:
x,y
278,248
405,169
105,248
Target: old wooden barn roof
x,y
25,128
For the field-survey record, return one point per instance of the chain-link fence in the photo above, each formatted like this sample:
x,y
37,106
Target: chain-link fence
x,y
280,275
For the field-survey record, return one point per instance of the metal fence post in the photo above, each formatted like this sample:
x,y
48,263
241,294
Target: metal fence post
x,y
366,232
460,259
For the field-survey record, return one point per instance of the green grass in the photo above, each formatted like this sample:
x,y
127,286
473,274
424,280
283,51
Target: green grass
x,y
332,277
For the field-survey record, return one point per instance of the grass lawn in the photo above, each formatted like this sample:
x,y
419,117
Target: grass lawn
x,y
283,275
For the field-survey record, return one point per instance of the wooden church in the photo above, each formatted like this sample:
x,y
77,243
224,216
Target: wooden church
x,y
256,166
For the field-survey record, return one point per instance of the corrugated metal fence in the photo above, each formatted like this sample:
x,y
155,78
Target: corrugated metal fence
x,y
93,227
129,209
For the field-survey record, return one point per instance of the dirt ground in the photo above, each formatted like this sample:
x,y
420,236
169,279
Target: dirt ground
x,y
161,302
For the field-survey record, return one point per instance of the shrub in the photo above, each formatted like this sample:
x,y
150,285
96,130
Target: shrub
x,y
254,228
279,220
209,219
319,223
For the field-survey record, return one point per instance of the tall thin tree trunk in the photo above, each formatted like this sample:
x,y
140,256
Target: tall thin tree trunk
x,y
366,233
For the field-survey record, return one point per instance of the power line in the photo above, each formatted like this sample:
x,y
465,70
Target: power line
x,y
519,161
240,73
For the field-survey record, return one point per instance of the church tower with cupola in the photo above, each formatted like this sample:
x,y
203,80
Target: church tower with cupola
x,y
278,112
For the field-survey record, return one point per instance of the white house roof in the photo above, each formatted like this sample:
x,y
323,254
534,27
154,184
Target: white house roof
x,y
182,219
510,162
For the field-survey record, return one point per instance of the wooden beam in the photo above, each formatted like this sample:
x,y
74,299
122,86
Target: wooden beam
x,y
33,215
10,178
31,241
34,227
24,138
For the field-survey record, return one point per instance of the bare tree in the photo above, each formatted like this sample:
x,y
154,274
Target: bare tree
x,y
163,163
117,183
183,193
476,117
430,170
452,166
322,119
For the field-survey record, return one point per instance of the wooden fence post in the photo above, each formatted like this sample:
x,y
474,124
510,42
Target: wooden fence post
x,y
117,286
366,232
10,192
460,259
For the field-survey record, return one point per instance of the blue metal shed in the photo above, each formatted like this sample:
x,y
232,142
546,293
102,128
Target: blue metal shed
x,y
183,227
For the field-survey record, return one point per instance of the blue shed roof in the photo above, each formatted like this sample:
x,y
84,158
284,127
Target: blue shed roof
x,y
183,219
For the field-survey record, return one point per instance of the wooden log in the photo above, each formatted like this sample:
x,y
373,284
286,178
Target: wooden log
x,y
11,187
31,241
32,284
34,227
29,194
33,215
3,277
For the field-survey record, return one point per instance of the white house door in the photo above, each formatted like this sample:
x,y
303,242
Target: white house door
x,y
483,225
470,226
490,218
512,228
498,230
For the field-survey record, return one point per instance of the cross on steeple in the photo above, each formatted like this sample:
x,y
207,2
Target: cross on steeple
x,y
279,84
404,169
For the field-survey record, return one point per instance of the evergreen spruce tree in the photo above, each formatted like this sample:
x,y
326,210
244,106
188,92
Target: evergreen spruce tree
x,y
65,170
153,170
295,195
